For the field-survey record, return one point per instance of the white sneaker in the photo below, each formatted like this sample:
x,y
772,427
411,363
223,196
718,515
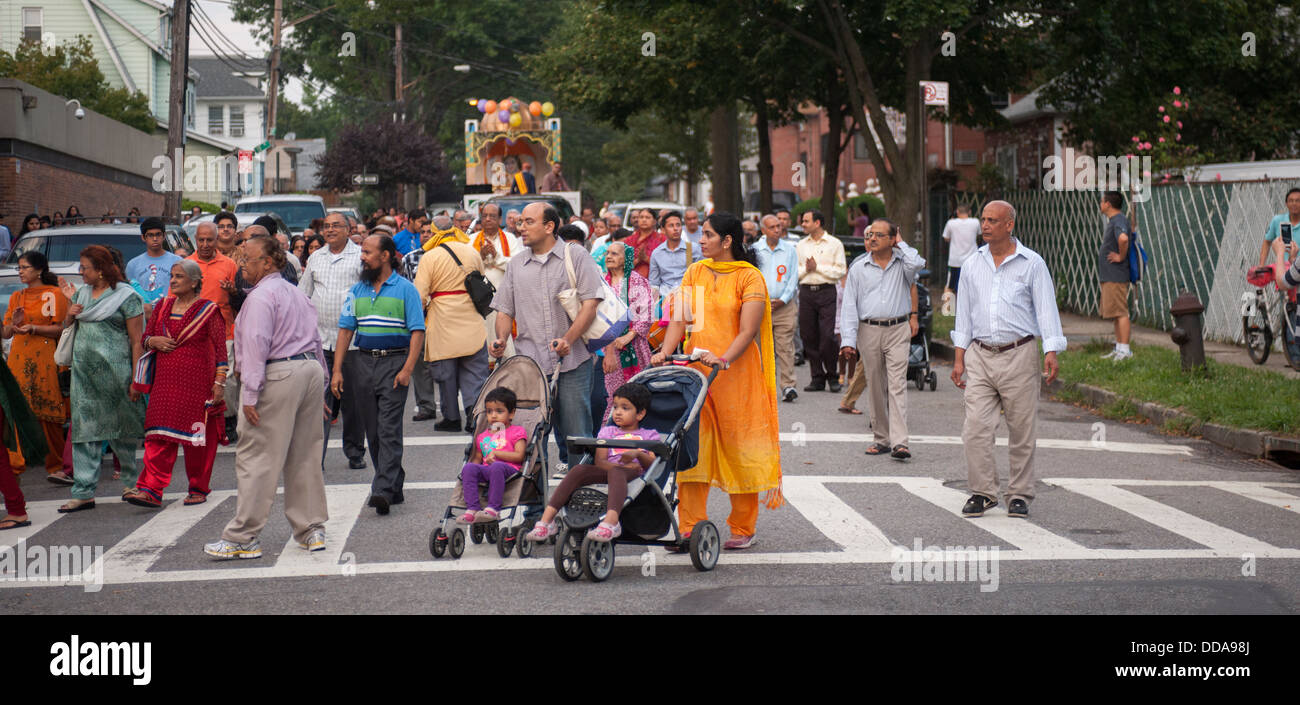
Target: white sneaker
x,y
315,541
561,469
1121,356
1110,355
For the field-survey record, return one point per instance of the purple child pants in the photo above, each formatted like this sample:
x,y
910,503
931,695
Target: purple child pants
x,y
495,475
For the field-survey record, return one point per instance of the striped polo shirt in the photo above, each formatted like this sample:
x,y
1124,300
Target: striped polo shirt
x,y
385,319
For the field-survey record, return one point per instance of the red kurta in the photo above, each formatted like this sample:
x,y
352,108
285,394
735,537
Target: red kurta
x,y
183,378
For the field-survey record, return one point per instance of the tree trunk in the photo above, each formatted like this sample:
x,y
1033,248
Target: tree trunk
x,y
764,157
724,141
831,157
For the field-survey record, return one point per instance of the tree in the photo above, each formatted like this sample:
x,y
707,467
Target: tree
x,y
1113,64
883,49
71,71
398,152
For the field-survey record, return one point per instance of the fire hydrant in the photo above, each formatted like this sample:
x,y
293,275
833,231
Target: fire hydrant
x,y
1187,333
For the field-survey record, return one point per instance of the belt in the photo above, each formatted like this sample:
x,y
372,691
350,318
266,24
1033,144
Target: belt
x,y
299,356
814,287
384,353
1008,346
436,294
884,321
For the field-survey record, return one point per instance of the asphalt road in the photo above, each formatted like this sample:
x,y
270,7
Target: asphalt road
x,y
1126,521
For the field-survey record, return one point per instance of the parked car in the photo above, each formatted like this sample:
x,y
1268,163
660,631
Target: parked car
x,y
345,210
297,209
65,243
780,199
517,202
656,207
448,206
244,220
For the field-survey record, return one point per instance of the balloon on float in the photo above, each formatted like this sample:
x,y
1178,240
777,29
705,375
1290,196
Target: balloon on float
x,y
516,119
503,115
490,106
504,105
535,108
481,104
548,108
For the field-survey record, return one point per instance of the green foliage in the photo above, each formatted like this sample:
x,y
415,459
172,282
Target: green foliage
x,y
187,204
71,71
989,179
1163,142
845,211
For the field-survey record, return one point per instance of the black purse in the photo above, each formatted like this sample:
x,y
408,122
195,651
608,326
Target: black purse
x,y
480,290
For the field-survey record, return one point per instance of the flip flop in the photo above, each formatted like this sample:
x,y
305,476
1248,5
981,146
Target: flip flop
x,y
194,498
14,524
83,506
878,449
850,410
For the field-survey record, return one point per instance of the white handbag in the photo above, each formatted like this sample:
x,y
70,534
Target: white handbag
x,y
63,351
611,314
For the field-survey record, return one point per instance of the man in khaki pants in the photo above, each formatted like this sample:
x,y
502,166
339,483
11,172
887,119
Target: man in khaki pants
x,y
877,322
1006,299
282,366
780,266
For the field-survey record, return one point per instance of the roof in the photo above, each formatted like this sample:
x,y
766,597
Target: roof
x,y
218,78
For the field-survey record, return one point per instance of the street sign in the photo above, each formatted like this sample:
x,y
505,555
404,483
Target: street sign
x,y
935,92
365,179
245,161
262,147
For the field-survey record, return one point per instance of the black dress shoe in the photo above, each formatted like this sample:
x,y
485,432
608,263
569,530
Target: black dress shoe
x,y
977,505
380,503
836,387
1018,509
798,360
356,463
232,434
397,499
790,394
815,387
469,427
424,415
446,424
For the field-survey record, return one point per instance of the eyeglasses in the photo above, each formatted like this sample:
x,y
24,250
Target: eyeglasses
x,y
334,226
872,236
991,221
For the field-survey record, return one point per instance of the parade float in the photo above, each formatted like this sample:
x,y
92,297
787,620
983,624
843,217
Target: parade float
x,y
510,134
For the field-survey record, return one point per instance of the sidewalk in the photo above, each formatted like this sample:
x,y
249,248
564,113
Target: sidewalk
x,y
1079,330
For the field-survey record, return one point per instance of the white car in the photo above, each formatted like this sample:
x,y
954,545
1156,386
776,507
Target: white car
x,y
656,207
296,209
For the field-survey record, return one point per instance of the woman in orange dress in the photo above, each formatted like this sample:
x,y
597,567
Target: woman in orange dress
x,y
33,321
724,299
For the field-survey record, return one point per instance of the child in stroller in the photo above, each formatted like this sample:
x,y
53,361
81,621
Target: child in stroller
x,y
498,455
613,466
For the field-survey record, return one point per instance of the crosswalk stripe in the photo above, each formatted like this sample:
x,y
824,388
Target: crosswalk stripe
x,y
344,505
1168,518
837,520
40,514
131,558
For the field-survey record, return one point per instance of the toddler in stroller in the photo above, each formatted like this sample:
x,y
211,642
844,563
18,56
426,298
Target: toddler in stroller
x,y
498,455
613,466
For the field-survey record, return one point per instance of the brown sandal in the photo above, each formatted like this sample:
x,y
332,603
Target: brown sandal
x,y
878,449
194,498
850,410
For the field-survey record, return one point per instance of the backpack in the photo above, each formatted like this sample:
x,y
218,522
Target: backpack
x,y
480,290
1137,258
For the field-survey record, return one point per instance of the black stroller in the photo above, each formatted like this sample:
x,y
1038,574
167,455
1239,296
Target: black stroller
x,y
648,517
525,493
918,356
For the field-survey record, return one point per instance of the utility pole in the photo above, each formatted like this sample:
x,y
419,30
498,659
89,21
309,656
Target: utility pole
x,y
400,115
180,67
273,80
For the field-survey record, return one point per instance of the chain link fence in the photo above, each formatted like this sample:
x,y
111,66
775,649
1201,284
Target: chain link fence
x,y
1200,238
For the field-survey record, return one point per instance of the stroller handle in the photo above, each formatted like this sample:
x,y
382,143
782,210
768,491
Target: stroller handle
x,y
695,357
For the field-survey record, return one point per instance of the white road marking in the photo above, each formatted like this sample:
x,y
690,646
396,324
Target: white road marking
x,y
130,560
1168,518
40,514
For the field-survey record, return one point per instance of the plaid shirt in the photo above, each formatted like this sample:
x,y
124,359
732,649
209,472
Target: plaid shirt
x,y
326,280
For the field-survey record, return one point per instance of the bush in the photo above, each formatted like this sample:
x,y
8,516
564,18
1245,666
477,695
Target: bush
x,y
187,204
845,212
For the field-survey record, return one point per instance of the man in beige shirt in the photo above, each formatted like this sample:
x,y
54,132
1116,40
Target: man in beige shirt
x,y
821,266
455,342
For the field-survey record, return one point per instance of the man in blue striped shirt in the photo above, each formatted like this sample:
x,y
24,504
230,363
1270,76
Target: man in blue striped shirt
x,y
780,266
1006,299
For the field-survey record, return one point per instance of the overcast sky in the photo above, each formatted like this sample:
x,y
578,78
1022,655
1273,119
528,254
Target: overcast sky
x,y
241,35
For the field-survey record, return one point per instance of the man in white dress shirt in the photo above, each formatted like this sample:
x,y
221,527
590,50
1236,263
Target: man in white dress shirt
x,y
1005,301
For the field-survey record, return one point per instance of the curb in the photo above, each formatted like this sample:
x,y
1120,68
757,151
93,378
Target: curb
x,y
1256,444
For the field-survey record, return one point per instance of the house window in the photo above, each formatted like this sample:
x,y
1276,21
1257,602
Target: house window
x,y
1007,164
215,119
860,148
236,121
32,23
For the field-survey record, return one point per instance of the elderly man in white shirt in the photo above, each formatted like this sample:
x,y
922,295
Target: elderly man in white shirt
x,y
877,322
329,275
1005,301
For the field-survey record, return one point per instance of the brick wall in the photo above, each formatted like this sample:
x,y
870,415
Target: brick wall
x,y
32,187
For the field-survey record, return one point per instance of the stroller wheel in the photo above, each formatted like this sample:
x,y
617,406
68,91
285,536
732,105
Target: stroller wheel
x,y
491,532
933,379
567,563
437,542
457,543
476,532
505,542
524,547
705,546
920,382
597,559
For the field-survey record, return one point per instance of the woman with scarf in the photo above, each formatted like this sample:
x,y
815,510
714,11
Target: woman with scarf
x,y
109,317
725,296
34,321
185,378
629,353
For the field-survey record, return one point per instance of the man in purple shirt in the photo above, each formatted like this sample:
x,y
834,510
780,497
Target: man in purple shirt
x,y
282,371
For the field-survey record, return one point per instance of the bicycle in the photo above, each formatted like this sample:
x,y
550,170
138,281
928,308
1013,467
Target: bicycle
x,y
1256,329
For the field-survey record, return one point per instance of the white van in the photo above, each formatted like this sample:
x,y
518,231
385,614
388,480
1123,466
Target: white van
x,y
296,209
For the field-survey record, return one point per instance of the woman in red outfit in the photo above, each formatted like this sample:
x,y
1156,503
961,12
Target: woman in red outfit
x,y
188,337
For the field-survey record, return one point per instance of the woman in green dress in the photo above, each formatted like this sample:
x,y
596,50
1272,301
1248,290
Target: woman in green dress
x,y
110,319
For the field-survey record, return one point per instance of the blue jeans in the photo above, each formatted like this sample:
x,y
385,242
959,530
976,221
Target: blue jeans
x,y
571,414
